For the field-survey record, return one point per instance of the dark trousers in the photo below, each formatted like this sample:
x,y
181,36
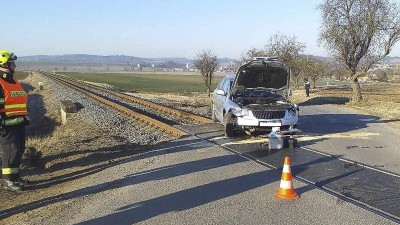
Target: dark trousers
x,y
308,92
13,146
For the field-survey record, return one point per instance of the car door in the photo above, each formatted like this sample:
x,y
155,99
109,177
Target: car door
x,y
226,88
219,100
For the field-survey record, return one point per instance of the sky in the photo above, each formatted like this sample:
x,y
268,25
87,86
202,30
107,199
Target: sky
x,y
157,28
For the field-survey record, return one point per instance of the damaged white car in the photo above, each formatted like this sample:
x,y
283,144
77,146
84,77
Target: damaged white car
x,y
256,99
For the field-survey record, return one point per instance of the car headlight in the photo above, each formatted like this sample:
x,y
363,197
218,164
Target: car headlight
x,y
240,112
296,107
291,112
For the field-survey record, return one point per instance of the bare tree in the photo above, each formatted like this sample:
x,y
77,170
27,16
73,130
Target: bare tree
x,y
317,69
247,56
339,72
287,48
309,68
206,62
298,70
251,53
359,33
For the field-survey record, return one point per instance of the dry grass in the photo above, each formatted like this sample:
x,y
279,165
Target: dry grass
x,y
198,103
380,99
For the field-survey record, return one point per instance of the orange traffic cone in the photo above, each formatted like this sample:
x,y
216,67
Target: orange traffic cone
x,y
286,190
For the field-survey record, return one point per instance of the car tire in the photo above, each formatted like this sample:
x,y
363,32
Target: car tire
x,y
213,117
229,125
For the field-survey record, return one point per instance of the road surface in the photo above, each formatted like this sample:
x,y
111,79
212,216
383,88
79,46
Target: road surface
x,y
210,179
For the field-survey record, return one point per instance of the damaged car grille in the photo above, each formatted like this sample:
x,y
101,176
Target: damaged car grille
x,y
261,114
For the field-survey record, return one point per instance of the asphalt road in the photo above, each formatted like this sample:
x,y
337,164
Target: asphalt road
x,y
210,179
193,181
347,134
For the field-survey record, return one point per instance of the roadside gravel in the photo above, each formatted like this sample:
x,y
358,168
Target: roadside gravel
x,y
94,139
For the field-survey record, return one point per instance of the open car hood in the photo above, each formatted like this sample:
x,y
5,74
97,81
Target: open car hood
x,y
270,75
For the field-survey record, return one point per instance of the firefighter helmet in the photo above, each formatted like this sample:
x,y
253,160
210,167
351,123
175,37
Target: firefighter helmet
x,y
6,56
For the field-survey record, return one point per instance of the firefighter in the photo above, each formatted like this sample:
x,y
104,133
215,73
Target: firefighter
x,y
13,119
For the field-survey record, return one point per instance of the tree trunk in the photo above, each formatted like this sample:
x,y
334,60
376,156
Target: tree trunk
x,y
208,92
297,83
357,94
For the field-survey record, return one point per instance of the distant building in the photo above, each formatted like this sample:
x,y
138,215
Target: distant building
x,y
369,77
176,69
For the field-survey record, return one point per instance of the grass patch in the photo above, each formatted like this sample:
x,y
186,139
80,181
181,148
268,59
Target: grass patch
x,y
20,75
148,82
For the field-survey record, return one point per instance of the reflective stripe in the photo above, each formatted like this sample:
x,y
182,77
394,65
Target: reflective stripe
x,y
286,184
286,168
21,113
286,176
13,110
14,121
8,171
13,106
17,93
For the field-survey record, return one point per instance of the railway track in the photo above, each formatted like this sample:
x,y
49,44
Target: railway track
x,y
148,118
347,182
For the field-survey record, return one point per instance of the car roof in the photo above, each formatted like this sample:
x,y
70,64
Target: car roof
x,y
230,77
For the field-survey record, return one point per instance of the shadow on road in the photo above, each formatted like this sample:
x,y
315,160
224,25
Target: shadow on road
x,y
320,124
186,199
135,178
181,200
198,196
326,100
106,157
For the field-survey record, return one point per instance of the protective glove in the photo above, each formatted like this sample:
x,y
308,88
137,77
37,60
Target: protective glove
x,y
27,121
2,130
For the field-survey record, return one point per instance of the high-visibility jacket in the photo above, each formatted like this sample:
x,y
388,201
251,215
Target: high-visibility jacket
x,y
13,104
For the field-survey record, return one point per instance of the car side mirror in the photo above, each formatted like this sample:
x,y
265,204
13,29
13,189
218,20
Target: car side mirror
x,y
220,92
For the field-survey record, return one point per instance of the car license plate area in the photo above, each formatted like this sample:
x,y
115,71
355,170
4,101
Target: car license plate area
x,y
272,123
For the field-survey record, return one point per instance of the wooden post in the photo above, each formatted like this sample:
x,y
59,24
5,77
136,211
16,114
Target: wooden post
x,y
67,107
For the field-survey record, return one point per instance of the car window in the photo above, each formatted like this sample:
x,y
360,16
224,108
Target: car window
x,y
221,84
226,86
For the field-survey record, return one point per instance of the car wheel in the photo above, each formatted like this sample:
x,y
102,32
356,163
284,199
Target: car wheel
x,y
229,125
213,117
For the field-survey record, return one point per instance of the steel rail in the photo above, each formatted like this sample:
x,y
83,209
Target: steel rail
x,y
177,112
163,108
164,127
